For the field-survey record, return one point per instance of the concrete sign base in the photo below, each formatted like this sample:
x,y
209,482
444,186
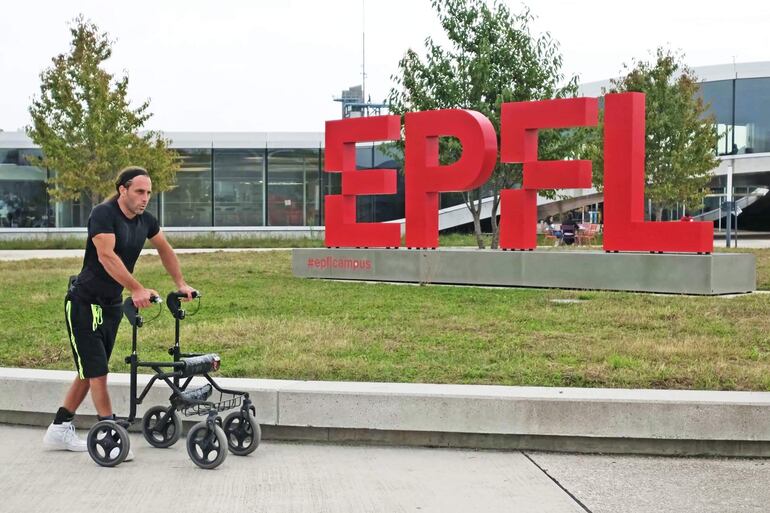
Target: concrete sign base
x,y
673,273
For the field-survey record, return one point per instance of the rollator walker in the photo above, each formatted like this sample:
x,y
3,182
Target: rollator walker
x,y
207,441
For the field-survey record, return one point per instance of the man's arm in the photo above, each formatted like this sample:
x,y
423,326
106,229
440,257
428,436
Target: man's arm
x,y
105,244
171,263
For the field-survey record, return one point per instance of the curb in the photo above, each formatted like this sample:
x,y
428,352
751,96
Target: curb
x,y
672,422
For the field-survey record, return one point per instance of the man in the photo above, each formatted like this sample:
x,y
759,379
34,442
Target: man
x,y
117,230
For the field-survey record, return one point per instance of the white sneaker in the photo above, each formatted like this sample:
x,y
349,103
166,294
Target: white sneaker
x,y
62,437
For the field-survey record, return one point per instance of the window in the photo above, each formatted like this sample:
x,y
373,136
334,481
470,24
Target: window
x,y
293,188
238,187
188,202
752,115
23,191
718,96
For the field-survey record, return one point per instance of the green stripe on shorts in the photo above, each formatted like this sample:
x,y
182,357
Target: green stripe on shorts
x,y
68,308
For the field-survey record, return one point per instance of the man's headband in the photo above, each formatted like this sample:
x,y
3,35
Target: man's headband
x,y
128,175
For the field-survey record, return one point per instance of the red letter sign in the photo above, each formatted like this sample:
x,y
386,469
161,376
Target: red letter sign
x,y
624,225
425,178
624,176
519,123
340,210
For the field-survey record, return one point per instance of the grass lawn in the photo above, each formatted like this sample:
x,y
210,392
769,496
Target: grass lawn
x,y
266,323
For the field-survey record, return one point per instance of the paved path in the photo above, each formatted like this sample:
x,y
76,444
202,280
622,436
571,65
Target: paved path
x,y
646,484
27,254
286,477
744,243
278,477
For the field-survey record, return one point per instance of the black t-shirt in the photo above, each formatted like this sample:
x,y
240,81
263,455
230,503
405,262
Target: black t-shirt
x,y
94,284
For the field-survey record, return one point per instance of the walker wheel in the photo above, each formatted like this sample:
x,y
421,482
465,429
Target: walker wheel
x,y
243,432
160,428
108,443
206,448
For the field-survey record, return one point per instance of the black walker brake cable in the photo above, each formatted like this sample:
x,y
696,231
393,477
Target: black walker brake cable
x,y
197,309
160,309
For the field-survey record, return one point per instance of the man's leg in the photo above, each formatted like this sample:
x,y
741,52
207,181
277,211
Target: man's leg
x,y
75,395
107,330
101,396
61,433
73,318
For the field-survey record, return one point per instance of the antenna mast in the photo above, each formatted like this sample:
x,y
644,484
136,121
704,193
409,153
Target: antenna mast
x,y
363,51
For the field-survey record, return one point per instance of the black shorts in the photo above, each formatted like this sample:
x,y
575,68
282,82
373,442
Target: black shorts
x,y
92,330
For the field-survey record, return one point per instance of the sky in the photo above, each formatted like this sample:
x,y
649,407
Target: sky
x,y
251,66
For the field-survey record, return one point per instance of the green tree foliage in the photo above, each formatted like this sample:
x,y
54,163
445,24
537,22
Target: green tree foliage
x,y
492,58
681,136
85,126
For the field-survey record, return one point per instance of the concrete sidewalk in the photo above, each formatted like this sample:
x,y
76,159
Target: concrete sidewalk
x,y
309,477
278,477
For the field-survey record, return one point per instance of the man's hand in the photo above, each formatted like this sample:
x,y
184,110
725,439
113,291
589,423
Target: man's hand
x,y
187,290
141,297
171,263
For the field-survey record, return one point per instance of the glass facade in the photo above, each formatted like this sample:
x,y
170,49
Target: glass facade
x,y
214,187
239,183
293,187
718,96
24,200
742,111
752,115
188,203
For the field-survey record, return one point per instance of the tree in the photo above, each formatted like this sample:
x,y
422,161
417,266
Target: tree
x,y
681,136
85,126
492,58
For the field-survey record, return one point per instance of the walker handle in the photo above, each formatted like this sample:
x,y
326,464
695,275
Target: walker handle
x,y
175,306
132,313
128,304
180,295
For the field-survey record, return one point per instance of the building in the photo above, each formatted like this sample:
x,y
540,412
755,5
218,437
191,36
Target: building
x,y
739,96
274,182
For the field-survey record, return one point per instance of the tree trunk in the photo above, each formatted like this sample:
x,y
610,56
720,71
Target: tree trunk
x,y
473,202
477,228
493,219
659,214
